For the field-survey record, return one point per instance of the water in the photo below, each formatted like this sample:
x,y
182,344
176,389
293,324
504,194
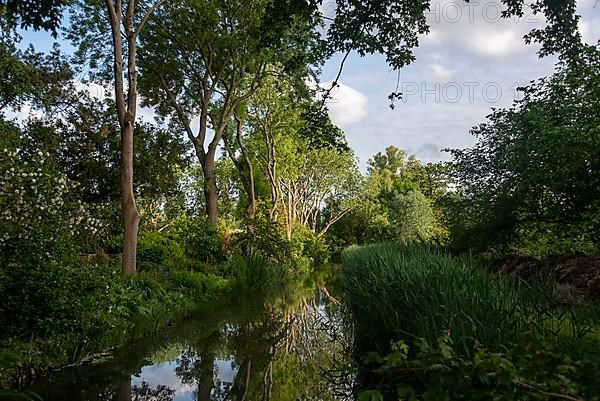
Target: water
x,y
292,346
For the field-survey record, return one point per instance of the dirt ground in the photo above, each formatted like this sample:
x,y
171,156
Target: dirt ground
x,y
575,277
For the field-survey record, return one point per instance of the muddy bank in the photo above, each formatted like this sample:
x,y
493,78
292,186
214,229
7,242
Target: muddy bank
x,y
576,277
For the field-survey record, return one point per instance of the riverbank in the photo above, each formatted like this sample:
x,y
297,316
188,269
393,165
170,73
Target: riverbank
x,y
264,344
432,325
90,309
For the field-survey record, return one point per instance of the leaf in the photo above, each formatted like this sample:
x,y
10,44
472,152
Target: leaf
x,y
370,395
406,392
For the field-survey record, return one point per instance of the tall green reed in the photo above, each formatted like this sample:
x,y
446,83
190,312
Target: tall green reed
x,y
408,292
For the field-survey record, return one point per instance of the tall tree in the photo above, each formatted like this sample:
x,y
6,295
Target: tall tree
x,y
244,165
125,21
40,14
207,58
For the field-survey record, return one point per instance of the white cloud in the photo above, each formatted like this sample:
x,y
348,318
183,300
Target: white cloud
x,y
496,44
94,90
590,30
347,105
440,73
478,28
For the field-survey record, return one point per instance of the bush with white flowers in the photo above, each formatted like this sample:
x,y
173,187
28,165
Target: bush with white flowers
x,y
38,212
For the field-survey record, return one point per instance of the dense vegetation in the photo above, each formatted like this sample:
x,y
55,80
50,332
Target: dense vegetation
x,y
433,325
113,226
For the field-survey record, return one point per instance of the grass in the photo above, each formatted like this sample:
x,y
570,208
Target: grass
x,y
398,292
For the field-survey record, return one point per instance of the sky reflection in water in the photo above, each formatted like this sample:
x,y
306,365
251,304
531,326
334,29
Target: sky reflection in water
x,y
274,350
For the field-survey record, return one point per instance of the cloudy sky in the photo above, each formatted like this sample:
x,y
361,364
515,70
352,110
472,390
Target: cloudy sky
x,y
471,61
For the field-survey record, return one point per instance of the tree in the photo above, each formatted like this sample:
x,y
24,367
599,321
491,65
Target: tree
x,y
82,135
40,14
36,79
533,175
208,58
400,202
126,21
312,174
244,166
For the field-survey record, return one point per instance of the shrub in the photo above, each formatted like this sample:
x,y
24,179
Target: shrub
x,y
266,241
199,239
198,285
39,215
53,314
412,218
305,243
532,370
157,249
251,271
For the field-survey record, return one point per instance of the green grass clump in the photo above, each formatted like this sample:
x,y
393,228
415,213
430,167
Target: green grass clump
x,y
400,292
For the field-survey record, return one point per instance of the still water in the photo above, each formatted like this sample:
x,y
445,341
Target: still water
x,y
290,346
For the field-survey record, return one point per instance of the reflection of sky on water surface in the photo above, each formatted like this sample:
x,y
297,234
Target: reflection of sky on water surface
x,y
251,351
164,374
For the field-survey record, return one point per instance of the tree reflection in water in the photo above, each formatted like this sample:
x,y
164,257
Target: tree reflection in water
x,y
143,392
293,345
293,350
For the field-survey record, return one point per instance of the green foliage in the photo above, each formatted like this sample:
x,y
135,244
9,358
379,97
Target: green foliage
x,y
84,140
399,202
266,241
83,309
252,272
32,77
533,370
532,179
39,214
501,339
305,243
199,286
43,14
157,250
199,239
413,217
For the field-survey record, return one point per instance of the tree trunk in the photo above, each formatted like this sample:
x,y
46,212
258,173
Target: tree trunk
x,y
131,217
272,174
211,194
251,211
126,111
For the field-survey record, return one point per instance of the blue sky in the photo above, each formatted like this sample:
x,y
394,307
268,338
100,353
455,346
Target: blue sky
x,y
471,61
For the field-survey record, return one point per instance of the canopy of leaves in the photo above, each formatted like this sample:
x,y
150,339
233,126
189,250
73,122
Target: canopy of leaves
x,y
537,163
38,14
31,77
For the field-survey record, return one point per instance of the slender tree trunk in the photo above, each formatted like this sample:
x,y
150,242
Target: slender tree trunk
x,y
131,217
272,174
126,111
211,195
251,211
